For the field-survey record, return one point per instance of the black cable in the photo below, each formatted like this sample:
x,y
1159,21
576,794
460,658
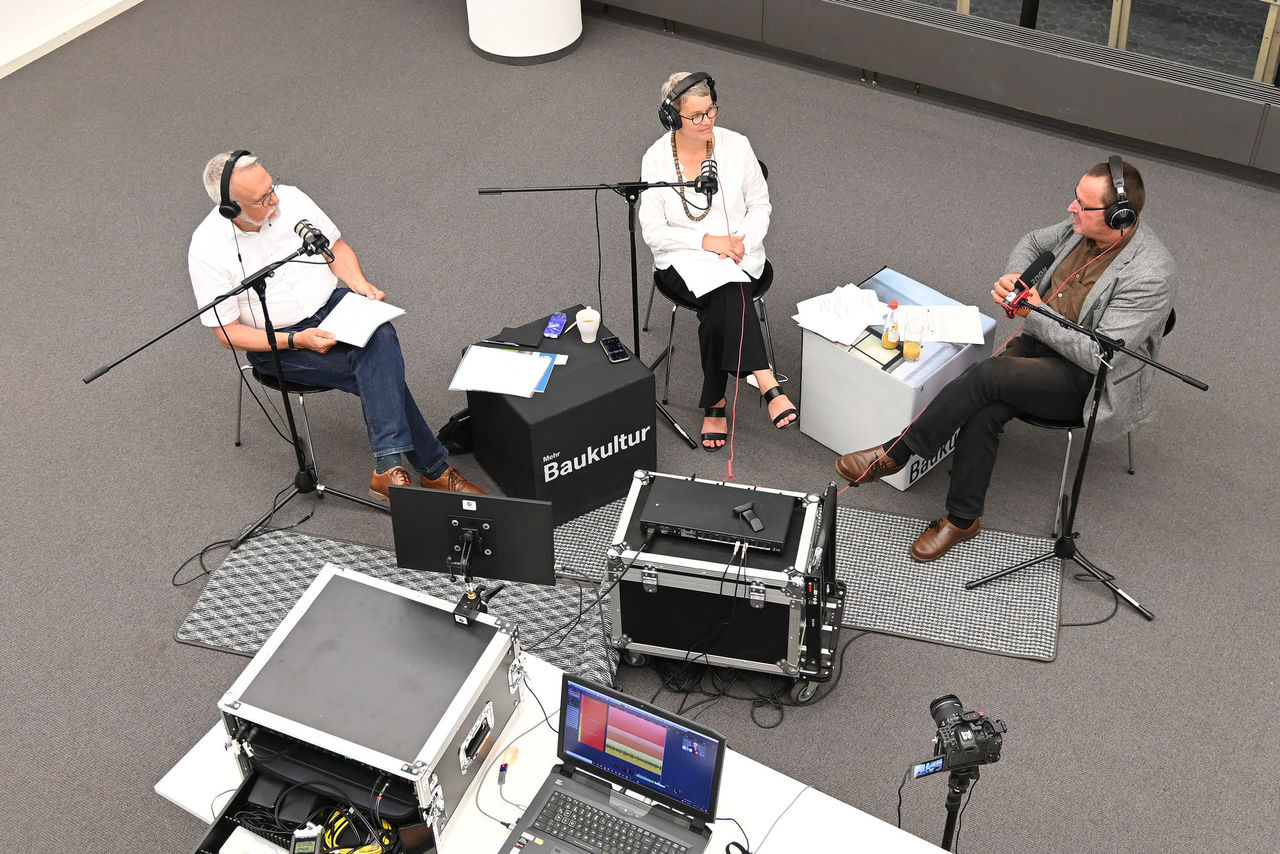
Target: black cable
x,y
599,596
955,844
1115,606
546,718
213,812
901,786
745,849
599,257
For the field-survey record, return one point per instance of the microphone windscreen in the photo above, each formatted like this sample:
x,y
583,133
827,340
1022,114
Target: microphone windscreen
x,y
1037,268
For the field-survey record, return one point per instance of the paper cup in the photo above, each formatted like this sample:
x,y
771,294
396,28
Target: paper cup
x,y
588,324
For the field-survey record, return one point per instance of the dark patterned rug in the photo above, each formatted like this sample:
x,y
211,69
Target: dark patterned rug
x,y
888,592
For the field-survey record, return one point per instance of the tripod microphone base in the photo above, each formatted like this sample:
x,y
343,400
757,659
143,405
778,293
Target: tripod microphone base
x,y
303,483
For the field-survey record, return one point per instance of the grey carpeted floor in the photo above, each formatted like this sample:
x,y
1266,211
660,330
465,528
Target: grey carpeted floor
x,y
1138,737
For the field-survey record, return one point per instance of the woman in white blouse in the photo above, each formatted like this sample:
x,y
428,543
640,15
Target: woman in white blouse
x,y
681,222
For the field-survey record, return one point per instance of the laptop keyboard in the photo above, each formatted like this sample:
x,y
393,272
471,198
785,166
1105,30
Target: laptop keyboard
x,y
598,831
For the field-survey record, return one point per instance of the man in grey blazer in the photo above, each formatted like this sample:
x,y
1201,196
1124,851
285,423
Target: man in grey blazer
x,y
1111,274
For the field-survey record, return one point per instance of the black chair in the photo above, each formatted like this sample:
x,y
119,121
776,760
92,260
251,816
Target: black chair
x,y
678,302
269,381
1069,427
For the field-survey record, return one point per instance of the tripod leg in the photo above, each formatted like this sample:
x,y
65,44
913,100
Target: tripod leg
x,y
322,490
1107,581
978,582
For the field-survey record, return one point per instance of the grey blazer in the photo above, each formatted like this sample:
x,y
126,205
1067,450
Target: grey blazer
x,y
1130,301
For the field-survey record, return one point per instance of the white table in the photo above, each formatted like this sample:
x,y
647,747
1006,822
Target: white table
x,y
752,793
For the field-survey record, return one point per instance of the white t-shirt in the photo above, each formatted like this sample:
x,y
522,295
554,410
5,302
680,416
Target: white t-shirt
x,y
221,256
743,199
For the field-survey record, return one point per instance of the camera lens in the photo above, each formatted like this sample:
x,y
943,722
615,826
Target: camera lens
x,y
944,707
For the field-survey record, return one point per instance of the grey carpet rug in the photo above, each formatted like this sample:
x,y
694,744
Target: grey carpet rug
x,y
890,593
887,592
256,585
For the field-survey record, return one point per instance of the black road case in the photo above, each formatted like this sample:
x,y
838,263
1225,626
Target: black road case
x,y
713,600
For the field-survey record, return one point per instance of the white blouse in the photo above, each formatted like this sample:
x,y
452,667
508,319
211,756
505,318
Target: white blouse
x,y
741,207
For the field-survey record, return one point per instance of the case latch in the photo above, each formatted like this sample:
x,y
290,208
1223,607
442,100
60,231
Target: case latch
x,y
755,593
649,579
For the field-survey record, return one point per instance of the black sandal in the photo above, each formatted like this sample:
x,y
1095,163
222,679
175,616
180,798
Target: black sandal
x,y
769,395
714,412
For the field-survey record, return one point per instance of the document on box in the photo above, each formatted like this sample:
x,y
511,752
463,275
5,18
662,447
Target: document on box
x,y
842,315
354,319
501,371
954,324
704,271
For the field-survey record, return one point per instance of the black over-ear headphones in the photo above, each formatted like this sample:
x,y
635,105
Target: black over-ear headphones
x,y
228,206
1120,213
668,112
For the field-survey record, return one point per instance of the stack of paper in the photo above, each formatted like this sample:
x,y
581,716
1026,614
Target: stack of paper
x,y
842,315
502,371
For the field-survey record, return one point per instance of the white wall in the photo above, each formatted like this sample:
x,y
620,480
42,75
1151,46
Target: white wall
x,y
31,28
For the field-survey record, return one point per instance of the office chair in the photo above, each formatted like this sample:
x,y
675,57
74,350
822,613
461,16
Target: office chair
x,y
1069,427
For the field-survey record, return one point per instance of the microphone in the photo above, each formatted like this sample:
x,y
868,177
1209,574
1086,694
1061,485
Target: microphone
x,y
1026,282
709,181
313,239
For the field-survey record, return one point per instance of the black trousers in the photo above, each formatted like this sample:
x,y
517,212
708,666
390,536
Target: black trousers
x,y
1028,377
723,330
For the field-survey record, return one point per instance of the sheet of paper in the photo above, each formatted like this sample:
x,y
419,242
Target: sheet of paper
x,y
954,324
704,271
355,318
842,315
501,371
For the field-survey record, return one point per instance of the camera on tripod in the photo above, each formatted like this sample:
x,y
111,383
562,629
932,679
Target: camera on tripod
x,y
964,739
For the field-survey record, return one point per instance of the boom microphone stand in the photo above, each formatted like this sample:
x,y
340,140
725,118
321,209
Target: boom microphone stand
x,y
629,190
305,480
1064,546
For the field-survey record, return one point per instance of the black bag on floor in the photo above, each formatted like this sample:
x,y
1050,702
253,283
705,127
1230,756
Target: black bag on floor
x,y
456,434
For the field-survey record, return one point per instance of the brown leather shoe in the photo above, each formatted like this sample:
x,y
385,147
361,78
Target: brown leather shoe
x,y
939,537
451,481
873,461
394,476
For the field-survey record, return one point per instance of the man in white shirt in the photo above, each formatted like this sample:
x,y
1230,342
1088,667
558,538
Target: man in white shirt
x,y
299,296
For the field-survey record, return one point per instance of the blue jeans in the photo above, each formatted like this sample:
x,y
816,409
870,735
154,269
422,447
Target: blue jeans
x,y
375,374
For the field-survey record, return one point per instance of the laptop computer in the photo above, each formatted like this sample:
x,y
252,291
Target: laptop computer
x,y
632,779
699,510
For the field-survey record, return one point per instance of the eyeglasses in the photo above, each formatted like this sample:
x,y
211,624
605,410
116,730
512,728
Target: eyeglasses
x,y
266,200
699,118
1082,207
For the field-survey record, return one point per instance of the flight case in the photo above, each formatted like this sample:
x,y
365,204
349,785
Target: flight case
x,y
366,688
695,600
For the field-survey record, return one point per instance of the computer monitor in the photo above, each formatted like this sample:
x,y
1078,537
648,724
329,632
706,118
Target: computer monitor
x,y
487,536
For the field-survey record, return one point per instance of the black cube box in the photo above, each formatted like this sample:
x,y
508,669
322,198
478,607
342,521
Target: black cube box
x,y
578,443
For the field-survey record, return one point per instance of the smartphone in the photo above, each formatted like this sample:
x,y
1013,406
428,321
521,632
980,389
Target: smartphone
x,y
614,350
555,325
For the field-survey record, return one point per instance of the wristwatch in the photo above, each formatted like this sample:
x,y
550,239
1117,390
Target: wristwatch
x,y
290,345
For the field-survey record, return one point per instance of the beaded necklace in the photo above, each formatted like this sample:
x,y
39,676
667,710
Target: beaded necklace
x,y
680,179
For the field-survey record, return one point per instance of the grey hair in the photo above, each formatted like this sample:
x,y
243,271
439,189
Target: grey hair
x,y
698,90
213,171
